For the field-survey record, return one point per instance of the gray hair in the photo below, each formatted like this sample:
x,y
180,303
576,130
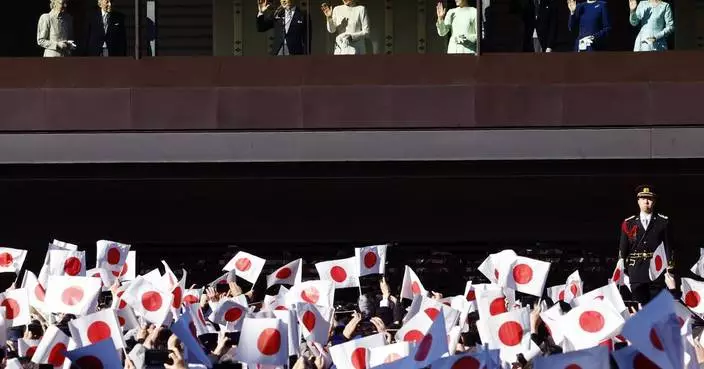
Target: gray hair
x,y
55,4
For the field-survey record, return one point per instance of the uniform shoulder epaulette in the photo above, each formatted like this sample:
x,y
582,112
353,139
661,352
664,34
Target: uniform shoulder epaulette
x,y
629,218
662,216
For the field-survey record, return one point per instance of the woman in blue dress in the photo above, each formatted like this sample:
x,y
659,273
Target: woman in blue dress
x,y
591,18
655,20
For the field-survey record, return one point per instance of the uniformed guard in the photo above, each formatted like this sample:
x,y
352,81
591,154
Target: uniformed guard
x,y
640,235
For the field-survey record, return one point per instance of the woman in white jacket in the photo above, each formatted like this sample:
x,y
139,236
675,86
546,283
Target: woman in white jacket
x,y
461,24
350,23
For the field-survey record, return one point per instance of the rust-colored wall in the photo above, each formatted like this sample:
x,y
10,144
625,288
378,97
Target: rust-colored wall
x,y
327,92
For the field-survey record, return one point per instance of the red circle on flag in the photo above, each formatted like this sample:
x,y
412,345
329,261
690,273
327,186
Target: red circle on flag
x,y
359,358
281,308
680,320
561,295
591,321
121,272
72,295
432,313
466,362
6,259
151,301
30,352
692,299
123,304
370,259
310,295
308,320
284,273
243,264
510,333
113,256
415,288
496,273
471,295
12,308
390,358
617,275
522,273
121,320
338,274
600,298
413,335
607,343
269,341
98,331
56,355
178,293
424,348
573,366
190,299
89,362
640,361
655,340
497,306
72,266
574,289
233,314
658,262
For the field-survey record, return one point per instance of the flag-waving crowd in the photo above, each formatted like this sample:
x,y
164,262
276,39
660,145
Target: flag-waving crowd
x,y
155,320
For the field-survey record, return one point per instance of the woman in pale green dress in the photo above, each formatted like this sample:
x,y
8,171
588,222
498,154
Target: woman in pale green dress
x,y
655,20
461,23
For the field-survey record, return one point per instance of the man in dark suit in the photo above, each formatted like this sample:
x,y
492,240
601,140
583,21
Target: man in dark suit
x,y
553,35
105,33
291,27
640,236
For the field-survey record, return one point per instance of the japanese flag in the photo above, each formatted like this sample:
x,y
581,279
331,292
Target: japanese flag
x,y
192,296
371,259
355,354
470,360
93,328
72,295
592,358
230,315
414,329
608,293
433,345
290,322
198,319
432,308
68,263
177,291
552,318
11,260
106,278
655,332
278,302
557,293
246,266
315,322
313,292
618,275
658,262
111,255
698,268
16,304
27,348
629,358
185,330
342,273
263,341
56,245
100,355
412,285
289,274
491,302
469,293
509,332
591,323
127,319
389,353
692,292
573,287
51,348
495,266
528,275
128,271
148,301
35,292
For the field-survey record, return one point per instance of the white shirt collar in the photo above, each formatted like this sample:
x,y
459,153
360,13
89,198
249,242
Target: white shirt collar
x,y
103,12
645,215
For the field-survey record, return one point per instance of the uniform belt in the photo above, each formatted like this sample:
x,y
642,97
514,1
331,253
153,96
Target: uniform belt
x,y
636,256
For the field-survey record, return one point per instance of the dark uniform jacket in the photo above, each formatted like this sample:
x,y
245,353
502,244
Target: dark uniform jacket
x,y
636,239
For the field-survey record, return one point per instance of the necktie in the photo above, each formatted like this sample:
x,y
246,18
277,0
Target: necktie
x,y
105,22
646,221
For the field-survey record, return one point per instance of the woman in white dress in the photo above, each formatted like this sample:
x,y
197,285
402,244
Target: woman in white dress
x,y
55,30
655,20
349,22
461,24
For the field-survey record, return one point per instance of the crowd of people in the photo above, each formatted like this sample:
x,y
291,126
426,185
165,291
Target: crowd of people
x,y
349,23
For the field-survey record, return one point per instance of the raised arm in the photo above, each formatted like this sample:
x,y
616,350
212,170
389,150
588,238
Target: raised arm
x,y
329,17
634,18
443,24
574,15
265,17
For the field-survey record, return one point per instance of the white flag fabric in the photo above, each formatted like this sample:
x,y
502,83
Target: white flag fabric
x,y
102,354
491,302
608,293
432,308
528,276
71,295
93,328
263,341
290,321
592,358
16,304
552,318
414,329
509,332
698,267
495,265
183,329
127,319
111,255
246,266
313,292
591,323
56,245
618,275
355,354
51,348
11,260
342,273
432,346
315,322
230,315
192,296
692,294
573,287
27,347
557,293
68,263
371,259
199,322
470,294
389,353
35,292
106,278
289,274
658,262
412,285
148,301
280,300
128,271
